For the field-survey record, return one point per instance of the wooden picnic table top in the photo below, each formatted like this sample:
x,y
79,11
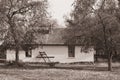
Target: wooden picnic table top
x,y
43,62
45,57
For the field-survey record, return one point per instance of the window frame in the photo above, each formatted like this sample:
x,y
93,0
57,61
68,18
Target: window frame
x,y
28,53
71,51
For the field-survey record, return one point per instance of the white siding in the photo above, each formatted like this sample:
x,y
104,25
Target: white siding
x,y
59,52
82,56
10,55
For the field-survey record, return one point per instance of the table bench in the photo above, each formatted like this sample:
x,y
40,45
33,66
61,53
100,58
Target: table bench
x,y
46,59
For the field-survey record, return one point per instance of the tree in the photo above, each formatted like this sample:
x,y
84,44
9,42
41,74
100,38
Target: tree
x,y
97,25
19,18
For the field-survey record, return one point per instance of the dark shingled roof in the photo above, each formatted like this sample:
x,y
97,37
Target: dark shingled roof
x,y
54,37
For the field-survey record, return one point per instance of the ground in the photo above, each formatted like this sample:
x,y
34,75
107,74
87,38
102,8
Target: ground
x,y
63,72
57,74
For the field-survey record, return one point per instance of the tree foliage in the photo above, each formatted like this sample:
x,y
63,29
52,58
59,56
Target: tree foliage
x,y
97,24
20,20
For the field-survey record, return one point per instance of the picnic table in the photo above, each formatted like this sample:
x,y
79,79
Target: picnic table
x,y
46,59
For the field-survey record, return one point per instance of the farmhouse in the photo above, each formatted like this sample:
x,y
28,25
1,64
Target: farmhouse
x,y
62,53
55,47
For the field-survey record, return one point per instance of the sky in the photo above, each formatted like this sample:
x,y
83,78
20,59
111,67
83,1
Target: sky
x,y
60,8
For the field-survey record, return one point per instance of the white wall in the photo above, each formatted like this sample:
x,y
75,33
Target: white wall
x,y
10,55
59,52
84,57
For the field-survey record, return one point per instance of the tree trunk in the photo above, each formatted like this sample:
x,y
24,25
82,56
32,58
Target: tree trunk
x,y
96,56
110,62
96,59
17,55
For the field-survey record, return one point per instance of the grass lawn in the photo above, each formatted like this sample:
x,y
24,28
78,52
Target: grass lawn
x,y
58,74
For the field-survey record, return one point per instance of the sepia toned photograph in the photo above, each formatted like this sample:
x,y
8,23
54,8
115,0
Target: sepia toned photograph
x,y
59,39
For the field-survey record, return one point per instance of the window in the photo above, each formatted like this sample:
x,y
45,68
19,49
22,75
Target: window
x,y
71,51
28,53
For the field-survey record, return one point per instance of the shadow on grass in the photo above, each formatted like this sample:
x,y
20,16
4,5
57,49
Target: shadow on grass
x,y
85,67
